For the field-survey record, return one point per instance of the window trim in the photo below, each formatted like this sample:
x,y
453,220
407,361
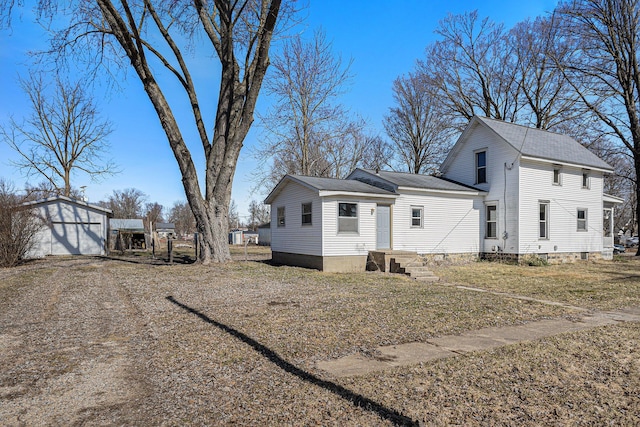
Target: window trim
x,y
309,214
478,168
487,221
420,218
281,217
357,218
585,220
544,203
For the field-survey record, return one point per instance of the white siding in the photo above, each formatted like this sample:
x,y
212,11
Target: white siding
x,y
450,224
564,200
70,229
502,183
349,243
295,237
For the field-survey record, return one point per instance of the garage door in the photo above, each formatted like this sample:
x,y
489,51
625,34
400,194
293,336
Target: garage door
x,y
76,239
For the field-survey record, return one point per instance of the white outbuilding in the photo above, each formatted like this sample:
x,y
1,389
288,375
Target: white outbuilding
x,y
69,227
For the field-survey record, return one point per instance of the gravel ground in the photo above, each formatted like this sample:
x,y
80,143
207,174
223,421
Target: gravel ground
x,y
92,341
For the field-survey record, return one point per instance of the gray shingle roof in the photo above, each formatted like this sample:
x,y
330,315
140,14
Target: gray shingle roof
x,y
542,144
332,184
126,224
403,179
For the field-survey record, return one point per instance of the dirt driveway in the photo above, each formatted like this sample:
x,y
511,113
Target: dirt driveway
x,y
90,341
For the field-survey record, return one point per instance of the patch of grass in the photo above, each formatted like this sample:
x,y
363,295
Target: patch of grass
x,y
596,285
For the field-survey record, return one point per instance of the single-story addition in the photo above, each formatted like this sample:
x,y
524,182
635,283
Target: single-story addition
x,y
505,190
70,227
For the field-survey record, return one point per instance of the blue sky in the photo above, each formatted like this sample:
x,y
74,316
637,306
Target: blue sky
x,y
383,38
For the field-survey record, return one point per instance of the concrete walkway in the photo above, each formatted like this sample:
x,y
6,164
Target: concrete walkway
x,y
483,339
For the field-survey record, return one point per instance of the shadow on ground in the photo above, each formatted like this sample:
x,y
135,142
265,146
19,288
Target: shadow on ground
x,y
348,395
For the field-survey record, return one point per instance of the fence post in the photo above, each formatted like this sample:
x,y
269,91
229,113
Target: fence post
x,y
170,250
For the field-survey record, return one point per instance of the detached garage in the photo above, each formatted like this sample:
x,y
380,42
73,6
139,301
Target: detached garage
x,y
70,227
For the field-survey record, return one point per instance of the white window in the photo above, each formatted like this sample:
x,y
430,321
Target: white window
x,y
492,222
582,219
557,176
481,167
544,220
417,213
280,216
306,214
347,217
585,179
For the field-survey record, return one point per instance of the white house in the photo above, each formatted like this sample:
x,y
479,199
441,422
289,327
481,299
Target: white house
x,y
70,227
505,190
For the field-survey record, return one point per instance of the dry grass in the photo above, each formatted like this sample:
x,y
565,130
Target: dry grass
x,y
237,343
597,285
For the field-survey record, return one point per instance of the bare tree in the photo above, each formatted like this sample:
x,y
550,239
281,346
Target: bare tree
x,y
259,213
154,39
604,70
182,216
128,203
307,123
234,217
417,126
471,69
64,134
18,226
378,154
153,215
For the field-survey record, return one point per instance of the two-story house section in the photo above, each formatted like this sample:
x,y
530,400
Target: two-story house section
x,y
544,191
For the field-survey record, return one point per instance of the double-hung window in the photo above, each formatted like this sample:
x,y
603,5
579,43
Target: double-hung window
x,y
544,220
481,167
492,222
582,219
347,217
417,213
280,214
557,176
585,178
306,214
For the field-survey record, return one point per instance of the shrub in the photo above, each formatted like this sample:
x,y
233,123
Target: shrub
x,y
18,226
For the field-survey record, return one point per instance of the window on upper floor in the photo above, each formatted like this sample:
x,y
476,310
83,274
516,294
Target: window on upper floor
x,y
417,213
557,175
481,167
306,214
347,217
280,214
585,178
582,219
492,222
544,220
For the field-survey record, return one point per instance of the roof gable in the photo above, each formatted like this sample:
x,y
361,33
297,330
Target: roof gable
x,y
67,200
532,143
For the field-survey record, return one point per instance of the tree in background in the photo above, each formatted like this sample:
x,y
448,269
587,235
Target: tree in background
x,y
64,134
259,213
471,70
419,131
604,69
181,215
154,39
127,203
18,226
308,132
153,215
234,217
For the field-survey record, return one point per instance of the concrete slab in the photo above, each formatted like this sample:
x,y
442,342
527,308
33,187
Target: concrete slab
x,y
483,339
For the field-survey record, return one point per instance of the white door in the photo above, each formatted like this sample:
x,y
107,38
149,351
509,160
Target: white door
x,y
76,239
383,227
